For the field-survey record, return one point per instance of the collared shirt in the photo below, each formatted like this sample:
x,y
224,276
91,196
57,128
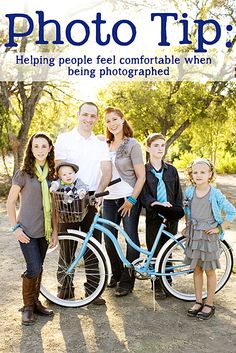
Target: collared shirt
x,y
87,153
218,202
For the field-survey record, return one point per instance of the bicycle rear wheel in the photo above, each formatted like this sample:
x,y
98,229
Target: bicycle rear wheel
x,y
179,281
82,285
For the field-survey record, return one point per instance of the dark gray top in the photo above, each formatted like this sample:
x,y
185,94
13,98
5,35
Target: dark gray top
x,y
30,214
201,209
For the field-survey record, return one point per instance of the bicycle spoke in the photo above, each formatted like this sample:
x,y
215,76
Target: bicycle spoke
x,y
84,283
179,281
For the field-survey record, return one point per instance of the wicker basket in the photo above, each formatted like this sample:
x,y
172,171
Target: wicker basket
x,y
70,208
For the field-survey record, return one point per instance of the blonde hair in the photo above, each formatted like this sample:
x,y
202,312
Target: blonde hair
x,y
206,161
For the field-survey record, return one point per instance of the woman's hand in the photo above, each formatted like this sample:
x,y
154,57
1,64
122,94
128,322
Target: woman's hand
x,y
125,209
54,239
21,236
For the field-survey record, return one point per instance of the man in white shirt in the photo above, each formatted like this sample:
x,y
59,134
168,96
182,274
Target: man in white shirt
x,y
81,147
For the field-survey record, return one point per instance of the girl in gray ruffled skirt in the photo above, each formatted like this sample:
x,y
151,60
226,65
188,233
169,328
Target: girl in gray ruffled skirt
x,y
204,227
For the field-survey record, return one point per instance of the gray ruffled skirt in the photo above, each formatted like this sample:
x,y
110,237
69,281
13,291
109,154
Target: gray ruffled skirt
x,y
202,250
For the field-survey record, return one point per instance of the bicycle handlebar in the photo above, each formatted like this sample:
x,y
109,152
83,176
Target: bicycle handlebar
x,y
104,193
115,181
100,194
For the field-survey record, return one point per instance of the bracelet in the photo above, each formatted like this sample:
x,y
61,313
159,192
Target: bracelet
x,y
15,227
132,200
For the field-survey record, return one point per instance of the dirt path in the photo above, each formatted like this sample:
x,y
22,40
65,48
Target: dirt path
x,y
126,324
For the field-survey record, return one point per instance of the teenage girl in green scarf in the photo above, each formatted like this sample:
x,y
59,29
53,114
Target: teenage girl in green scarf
x,y
32,226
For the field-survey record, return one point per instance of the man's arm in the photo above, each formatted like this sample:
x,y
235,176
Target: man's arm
x,y
106,169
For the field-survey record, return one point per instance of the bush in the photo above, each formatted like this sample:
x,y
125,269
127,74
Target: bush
x,y
184,160
226,164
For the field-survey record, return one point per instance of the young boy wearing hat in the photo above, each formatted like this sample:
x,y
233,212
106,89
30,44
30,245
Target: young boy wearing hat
x,y
67,181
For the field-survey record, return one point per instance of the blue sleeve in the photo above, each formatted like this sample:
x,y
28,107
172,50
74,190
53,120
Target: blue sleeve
x,y
225,206
186,202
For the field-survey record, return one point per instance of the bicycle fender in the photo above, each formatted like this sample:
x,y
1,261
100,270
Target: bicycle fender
x,y
100,246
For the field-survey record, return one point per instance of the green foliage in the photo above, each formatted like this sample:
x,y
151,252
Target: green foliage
x,y
226,164
4,140
157,107
184,160
166,106
54,116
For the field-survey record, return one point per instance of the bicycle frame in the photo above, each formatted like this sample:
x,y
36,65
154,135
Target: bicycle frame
x,y
98,223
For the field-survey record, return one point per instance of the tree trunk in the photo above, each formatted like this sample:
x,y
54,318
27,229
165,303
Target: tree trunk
x,y
29,104
177,133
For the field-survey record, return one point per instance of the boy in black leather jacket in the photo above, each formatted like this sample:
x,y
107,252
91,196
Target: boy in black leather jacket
x,y
161,194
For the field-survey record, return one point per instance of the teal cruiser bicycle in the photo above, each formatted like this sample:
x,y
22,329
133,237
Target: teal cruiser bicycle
x,y
79,258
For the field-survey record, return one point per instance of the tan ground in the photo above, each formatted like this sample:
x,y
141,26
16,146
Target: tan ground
x,y
126,324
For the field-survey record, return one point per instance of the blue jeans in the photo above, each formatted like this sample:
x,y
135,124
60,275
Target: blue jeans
x,y
34,253
130,224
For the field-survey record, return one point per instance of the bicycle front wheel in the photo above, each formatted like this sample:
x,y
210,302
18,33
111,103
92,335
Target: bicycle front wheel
x,y
179,281
84,283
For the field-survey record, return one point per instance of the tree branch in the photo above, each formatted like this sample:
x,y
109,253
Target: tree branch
x,y
178,132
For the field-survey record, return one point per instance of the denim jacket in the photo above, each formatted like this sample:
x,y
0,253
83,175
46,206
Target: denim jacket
x,y
218,203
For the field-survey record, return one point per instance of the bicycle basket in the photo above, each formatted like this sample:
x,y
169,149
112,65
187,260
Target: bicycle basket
x,y
70,208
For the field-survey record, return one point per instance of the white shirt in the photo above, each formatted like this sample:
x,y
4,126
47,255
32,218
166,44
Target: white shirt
x,y
121,189
87,153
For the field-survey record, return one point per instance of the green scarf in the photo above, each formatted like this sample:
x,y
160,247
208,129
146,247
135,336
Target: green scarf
x,y
42,178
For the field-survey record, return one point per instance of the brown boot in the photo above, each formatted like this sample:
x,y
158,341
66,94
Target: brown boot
x,y
28,291
38,306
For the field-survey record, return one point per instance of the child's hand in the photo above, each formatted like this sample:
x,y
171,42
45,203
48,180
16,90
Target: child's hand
x,y
53,188
184,231
81,193
165,204
212,231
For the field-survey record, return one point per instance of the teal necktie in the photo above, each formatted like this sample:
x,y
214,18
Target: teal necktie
x,y
161,188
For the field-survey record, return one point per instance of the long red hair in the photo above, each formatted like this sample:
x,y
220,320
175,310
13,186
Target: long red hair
x,y
127,130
